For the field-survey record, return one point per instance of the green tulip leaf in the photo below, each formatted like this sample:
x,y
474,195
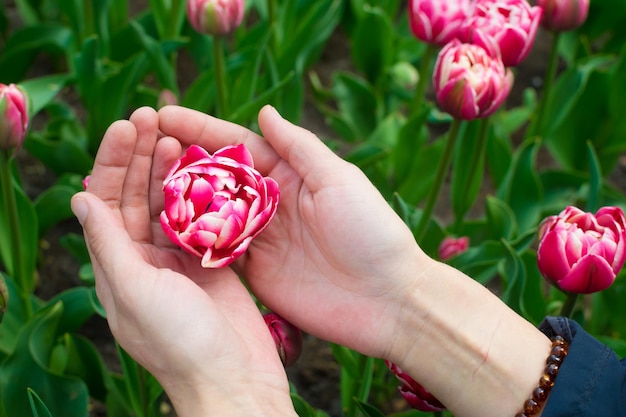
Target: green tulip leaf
x,y
521,189
37,406
595,179
23,46
369,410
357,104
372,43
500,219
27,367
53,206
41,91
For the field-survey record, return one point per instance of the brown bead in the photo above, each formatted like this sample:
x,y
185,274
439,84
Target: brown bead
x,y
559,351
552,370
540,395
531,407
546,382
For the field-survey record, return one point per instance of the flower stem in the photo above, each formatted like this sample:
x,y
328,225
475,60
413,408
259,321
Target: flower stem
x,y
220,77
537,125
569,304
13,224
424,77
442,170
475,163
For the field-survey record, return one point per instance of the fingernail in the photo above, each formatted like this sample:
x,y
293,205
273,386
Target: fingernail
x,y
80,208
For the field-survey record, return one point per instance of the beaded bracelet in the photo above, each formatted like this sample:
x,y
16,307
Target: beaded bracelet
x,y
535,403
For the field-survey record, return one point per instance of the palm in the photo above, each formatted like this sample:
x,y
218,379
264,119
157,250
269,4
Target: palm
x,y
146,290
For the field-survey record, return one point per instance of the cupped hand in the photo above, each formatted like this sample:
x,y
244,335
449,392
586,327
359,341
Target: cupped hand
x,y
336,259
197,331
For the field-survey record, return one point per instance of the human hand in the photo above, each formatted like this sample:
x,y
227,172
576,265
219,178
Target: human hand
x,y
336,259
197,331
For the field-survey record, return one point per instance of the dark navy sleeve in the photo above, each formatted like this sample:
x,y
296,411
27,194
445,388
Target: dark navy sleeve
x,y
591,381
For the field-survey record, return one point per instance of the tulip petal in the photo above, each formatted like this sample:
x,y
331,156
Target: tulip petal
x,y
591,274
550,259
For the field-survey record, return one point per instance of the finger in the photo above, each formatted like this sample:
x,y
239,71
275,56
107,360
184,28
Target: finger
x,y
167,151
112,161
135,194
314,162
192,127
111,249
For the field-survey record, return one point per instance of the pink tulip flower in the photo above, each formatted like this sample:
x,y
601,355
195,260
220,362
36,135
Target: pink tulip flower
x,y
437,21
287,337
562,15
581,252
215,17
451,247
216,204
504,27
470,83
415,394
85,182
13,117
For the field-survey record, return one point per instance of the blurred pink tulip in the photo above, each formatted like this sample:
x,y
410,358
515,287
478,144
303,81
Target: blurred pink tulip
x,y
437,21
86,182
415,394
215,17
562,15
581,252
216,204
288,338
470,83
13,117
451,246
504,27
167,98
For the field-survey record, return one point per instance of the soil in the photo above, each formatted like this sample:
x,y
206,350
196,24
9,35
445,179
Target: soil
x,y
316,375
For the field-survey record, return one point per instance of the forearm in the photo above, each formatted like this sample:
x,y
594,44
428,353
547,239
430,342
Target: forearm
x,y
466,346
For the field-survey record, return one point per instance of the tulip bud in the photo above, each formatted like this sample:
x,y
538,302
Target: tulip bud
x,y
470,83
451,246
215,17
13,116
415,394
167,98
562,15
85,182
437,21
4,297
404,76
288,338
581,252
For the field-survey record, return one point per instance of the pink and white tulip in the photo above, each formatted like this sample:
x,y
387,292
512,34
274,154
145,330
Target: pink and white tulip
x,y
414,393
216,204
451,246
215,17
470,83
13,117
437,21
503,27
581,252
562,15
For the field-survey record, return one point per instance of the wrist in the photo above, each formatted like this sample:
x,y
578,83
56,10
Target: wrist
x,y
225,401
475,354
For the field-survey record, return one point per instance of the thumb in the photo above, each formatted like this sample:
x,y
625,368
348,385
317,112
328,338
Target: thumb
x,y
107,239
